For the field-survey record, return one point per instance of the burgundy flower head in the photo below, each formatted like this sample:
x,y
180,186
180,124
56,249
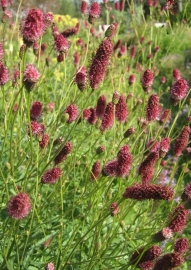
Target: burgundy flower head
x,y
146,192
36,110
181,245
51,176
19,206
146,168
108,118
61,44
33,26
163,80
146,265
90,115
121,111
178,91
94,12
4,4
44,141
101,105
117,45
164,146
131,79
133,51
36,128
100,63
147,80
176,74
48,19
110,168
4,75
182,141
81,80
71,31
152,110
143,256
124,161
1,51
186,195
162,235
96,169
83,7
117,6
178,219
62,155
169,261
72,111
31,76
165,117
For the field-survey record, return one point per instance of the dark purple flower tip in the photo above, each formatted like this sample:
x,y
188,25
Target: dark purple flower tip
x,y
179,90
128,132
108,118
36,110
186,195
51,176
84,7
176,74
63,153
124,161
152,110
100,107
181,245
165,117
19,206
96,169
182,141
121,111
147,80
146,192
95,10
100,149
178,219
143,254
169,261
110,168
72,112
131,79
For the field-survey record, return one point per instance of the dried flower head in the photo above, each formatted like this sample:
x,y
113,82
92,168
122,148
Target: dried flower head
x,y
62,155
100,63
100,107
182,141
146,192
121,111
36,110
19,206
96,169
178,219
152,110
178,91
147,80
108,118
72,111
4,75
32,27
51,176
169,261
181,245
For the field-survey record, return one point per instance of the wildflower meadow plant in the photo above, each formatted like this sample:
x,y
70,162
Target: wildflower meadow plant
x,y
95,138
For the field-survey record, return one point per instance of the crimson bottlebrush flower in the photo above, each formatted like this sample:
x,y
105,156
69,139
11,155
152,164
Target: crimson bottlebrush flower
x,y
164,146
36,110
72,111
94,12
146,169
51,176
92,116
176,74
49,266
131,79
96,169
36,128
117,45
152,110
1,51
48,19
81,80
152,146
146,192
169,261
186,195
71,31
44,141
165,117
31,76
110,168
86,114
181,245
4,74
19,206
143,254
121,111
84,7
162,235
178,90
182,141
100,107
100,149
62,155
32,27
61,44
124,161
178,218
133,51
100,63
147,80
108,118
114,209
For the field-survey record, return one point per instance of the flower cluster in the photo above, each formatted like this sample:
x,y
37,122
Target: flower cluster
x,y
96,169
178,91
108,117
72,112
4,75
51,176
62,155
169,261
31,76
152,110
147,80
182,141
121,111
